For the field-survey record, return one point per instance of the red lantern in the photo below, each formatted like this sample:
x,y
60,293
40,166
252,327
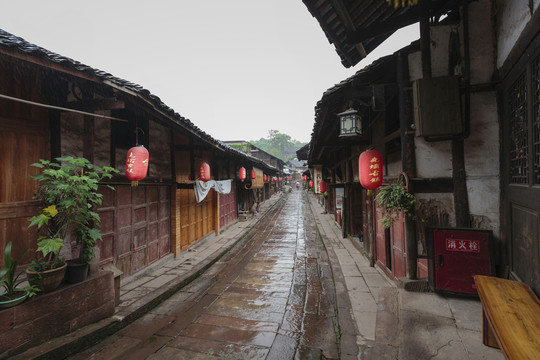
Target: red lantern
x,y
311,184
280,179
304,177
137,164
253,174
322,186
370,169
242,173
204,172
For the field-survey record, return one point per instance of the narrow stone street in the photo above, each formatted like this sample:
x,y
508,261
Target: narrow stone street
x,y
271,297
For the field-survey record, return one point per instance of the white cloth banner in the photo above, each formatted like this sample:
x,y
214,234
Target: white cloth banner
x,y
202,188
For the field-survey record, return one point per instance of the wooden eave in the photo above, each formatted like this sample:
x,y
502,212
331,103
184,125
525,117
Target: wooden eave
x,y
357,27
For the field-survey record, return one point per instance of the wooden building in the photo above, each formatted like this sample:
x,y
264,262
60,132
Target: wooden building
x,y
453,113
53,106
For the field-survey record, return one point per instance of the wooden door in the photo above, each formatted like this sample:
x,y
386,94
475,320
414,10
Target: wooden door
x,y
23,143
196,219
398,247
521,167
381,245
135,226
227,207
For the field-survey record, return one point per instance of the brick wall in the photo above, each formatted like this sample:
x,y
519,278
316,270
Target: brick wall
x,y
57,313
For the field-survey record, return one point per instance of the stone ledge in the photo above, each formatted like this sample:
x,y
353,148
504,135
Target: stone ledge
x,y
57,313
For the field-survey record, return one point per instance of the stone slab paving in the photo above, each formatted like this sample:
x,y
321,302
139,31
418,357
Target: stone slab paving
x,y
391,323
143,291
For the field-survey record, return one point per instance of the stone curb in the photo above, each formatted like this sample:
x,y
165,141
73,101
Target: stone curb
x,y
348,330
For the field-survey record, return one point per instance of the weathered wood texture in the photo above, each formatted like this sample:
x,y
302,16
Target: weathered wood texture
x,y
196,219
511,316
227,207
24,131
135,225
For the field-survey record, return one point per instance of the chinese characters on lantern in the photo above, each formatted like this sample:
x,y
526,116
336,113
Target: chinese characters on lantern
x,y
136,164
370,169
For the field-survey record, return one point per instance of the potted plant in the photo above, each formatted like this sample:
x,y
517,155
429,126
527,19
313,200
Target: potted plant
x,y
71,184
46,273
395,199
10,280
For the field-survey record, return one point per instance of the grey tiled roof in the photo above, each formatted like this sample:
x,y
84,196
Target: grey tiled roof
x,y
16,44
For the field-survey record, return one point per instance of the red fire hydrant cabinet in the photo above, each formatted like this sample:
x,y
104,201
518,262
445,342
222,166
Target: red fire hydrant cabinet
x,y
458,255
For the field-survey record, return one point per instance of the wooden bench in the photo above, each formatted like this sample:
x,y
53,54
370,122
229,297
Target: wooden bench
x,y
510,317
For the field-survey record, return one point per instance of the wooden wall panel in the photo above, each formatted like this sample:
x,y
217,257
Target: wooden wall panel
x,y
141,230
196,219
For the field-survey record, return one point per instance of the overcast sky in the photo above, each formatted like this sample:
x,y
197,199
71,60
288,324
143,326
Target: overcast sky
x,y
235,68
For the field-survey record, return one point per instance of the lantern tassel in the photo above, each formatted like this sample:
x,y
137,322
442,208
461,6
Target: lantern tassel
x,y
134,183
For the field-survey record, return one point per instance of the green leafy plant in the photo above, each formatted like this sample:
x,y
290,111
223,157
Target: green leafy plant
x,y
395,199
9,278
71,186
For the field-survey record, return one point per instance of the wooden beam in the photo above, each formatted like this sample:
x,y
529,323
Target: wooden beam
x,y
411,16
97,104
384,27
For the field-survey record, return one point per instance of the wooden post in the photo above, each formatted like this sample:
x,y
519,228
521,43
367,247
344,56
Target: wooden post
x,y
408,161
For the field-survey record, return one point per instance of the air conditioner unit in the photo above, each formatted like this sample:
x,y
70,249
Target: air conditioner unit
x,y
437,107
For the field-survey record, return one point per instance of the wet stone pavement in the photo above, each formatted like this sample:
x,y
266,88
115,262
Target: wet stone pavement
x,y
271,297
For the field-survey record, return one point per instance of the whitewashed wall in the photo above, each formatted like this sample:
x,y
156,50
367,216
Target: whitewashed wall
x,y
512,17
482,147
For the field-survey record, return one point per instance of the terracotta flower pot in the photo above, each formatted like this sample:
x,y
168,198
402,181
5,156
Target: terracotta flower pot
x,y
47,280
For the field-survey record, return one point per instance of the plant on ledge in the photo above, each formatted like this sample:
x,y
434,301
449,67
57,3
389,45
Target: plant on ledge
x,y
394,199
51,243
71,186
10,280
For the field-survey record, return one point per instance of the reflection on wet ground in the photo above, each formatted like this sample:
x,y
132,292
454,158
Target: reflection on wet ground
x,y
271,298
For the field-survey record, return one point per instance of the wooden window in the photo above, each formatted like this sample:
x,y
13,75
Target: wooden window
x,y
517,99
535,69
523,101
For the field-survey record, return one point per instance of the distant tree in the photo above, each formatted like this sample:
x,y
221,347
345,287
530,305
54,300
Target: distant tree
x,y
278,144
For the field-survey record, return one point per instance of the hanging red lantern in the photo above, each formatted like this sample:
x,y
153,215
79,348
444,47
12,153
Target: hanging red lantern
x,y
280,179
311,184
204,172
242,173
370,169
253,174
322,186
137,164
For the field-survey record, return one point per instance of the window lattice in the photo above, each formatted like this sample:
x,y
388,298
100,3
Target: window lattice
x,y
536,120
517,96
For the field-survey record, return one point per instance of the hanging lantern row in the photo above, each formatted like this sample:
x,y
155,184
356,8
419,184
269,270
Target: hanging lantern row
x,y
137,164
242,173
370,170
322,186
204,172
